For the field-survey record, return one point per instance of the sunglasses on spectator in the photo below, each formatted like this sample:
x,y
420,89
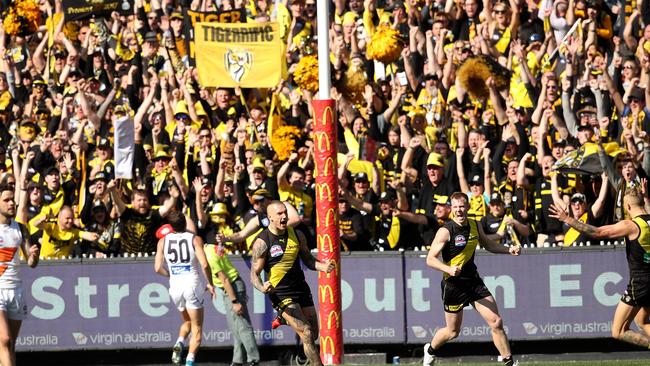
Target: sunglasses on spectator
x,y
182,118
629,67
587,115
499,12
634,100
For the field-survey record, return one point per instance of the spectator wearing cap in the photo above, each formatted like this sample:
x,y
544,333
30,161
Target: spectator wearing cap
x,y
103,161
581,210
107,229
161,170
53,196
34,205
352,231
59,233
636,109
435,186
178,36
218,221
391,231
363,193
256,176
491,222
39,98
98,192
478,187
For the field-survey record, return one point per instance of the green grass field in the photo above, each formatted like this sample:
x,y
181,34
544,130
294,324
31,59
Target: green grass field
x,y
545,363
560,363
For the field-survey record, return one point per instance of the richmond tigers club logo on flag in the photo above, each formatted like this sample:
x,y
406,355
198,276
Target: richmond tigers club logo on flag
x,y
248,55
238,62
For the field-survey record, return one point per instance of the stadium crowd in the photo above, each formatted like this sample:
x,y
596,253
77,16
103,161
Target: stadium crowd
x,y
489,98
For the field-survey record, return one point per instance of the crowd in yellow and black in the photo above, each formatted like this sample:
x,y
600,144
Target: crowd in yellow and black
x,y
520,104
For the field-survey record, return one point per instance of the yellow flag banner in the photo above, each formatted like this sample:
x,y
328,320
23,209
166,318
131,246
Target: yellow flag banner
x,y
248,55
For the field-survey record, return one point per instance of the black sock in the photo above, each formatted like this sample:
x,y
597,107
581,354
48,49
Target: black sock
x,y
431,351
508,361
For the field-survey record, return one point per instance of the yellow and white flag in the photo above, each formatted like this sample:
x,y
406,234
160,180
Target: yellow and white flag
x,y
248,55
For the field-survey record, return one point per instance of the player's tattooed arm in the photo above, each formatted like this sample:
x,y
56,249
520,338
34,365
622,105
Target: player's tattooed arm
x,y
587,229
259,256
305,255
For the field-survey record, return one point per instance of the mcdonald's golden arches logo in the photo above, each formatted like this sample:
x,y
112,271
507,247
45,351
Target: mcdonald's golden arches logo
x,y
333,315
324,242
321,137
330,217
328,169
324,290
324,192
327,112
324,343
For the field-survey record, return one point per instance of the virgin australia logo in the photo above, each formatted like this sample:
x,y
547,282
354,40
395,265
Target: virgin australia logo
x,y
79,338
530,328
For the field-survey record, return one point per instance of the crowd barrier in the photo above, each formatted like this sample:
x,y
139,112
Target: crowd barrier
x,y
387,297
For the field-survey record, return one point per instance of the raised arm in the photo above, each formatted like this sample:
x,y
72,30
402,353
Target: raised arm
x,y
174,193
620,229
116,197
599,206
494,246
158,261
309,260
460,170
30,251
203,261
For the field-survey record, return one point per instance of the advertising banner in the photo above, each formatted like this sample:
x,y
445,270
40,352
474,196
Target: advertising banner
x,y
554,294
248,55
385,298
108,305
81,9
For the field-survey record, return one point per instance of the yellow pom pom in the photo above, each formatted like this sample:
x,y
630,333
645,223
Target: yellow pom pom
x,y
306,73
385,45
283,141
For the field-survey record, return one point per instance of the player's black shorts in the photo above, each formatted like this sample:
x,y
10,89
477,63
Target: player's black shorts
x,y
637,292
460,292
298,294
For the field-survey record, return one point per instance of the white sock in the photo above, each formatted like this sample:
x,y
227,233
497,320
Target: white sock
x,y
190,357
181,340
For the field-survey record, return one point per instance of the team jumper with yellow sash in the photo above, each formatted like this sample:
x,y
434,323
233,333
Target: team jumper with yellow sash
x,y
283,270
459,291
638,259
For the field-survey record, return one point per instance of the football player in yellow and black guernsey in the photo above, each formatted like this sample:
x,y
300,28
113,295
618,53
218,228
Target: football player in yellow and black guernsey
x,y
461,285
635,302
276,251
